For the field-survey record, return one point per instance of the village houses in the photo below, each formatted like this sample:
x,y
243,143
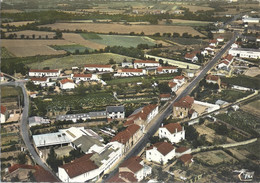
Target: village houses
x,y
174,132
115,112
145,63
130,72
167,69
173,86
191,57
98,68
67,84
183,107
84,77
44,73
180,80
213,79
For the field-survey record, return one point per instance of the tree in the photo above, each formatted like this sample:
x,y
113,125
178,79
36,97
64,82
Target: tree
x,y
106,76
58,34
77,51
22,158
175,34
164,88
161,62
222,129
15,179
53,161
191,133
111,61
210,35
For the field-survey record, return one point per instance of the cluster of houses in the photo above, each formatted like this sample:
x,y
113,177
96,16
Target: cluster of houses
x,y
176,83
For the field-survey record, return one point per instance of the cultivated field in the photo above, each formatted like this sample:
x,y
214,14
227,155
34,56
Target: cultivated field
x,y
124,29
30,33
252,72
197,8
71,48
11,11
5,53
253,107
78,60
188,22
17,24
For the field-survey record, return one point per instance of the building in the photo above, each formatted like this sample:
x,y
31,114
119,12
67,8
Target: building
x,y
224,65
84,77
220,39
130,72
37,120
174,132
182,107
213,43
44,73
180,80
165,97
67,84
173,86
145,63
127,64
213,79
82,116
189,73
245,52
160,152
115,112
4,114
142,116
2,77
167,69
98,68
191,57
228,58
181,151
186,159
43,81
250,20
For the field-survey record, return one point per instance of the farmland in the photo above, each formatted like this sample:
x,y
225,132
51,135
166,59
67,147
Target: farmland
x,y
120,40
70,48
188,41
181,22
30,33
9,91
78,60
124,29
17,24
197,8
5,53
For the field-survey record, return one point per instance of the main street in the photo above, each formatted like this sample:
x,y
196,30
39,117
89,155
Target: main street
x,y
166,112
24,126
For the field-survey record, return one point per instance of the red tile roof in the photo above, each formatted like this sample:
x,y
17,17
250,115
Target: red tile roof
x,y
116,178
17,166
39,79
82,75
124,136
185,102
186,158
3,109
98,66
37,70
132,164
146,61
163,147
229,57
123,177
166,68
131,70
181,149
172,84
172,127
165,95
42,175
190,55
66,81
213,41
212,77
79,166
224,62
179,77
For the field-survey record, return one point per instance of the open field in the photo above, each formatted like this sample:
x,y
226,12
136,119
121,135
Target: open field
x,y
188,22
78,60
17,24
253,107
252,72
124,29
5,53
70,48
197,8
29,33
121,40
188,41
11,11
8,91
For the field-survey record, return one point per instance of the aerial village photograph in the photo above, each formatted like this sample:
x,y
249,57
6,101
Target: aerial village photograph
x,y
113,91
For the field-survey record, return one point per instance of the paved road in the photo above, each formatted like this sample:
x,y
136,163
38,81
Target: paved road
x,y
24,127
165,113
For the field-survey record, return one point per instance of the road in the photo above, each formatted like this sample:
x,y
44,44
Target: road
x,y
24,130
165,113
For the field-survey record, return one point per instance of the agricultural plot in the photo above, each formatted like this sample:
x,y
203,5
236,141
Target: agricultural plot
x,y
197,8
71,48
253,108
37,34
10,91
181,22
5,53
78,60
188,41
120,40
124,29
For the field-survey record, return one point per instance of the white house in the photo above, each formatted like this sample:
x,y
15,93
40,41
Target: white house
x,y
180,80
172,131
37,120
4,114
173,86
42,73
234,45
165,96
258,39
245,52
160,152
250,20
220,39
213,43
223,65
99,68
130,72
213,79
115,112
167,69
84,77
145,63
40,81
191,56
67,84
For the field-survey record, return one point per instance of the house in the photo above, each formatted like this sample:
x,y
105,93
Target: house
x,y
142,116
4,114
228,58
41,81
67,84
210,50
250,20
220,39
174,132
145,63
223,65
115,112
213,79
160,152
180,80
186,159
37,120
181,151
173,86
98,68
165,97
44,73
128,137
213,43
189,73
130,72
191,57
258,39
182,107
84,77
136,166
234,45
122,177
167,69
245,52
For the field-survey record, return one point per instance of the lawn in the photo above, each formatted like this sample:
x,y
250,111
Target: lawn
x,y
5,53
71,48
119,40
78,60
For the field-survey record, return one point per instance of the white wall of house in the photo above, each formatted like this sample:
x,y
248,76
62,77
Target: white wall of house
x,y
176,137
67,86
175,88
168,71
116,115
129,74
3,118
152,115
100,69
155,156
246,53
40,74
94,77
140,65
179,82
210,107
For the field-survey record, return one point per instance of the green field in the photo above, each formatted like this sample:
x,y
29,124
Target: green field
x,y
118,40
5,53
71,48
78,60
10,91
187,41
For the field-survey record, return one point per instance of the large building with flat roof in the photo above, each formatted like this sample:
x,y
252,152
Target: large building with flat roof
x,y
245,52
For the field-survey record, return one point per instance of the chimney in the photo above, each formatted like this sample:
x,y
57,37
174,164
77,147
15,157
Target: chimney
x,y
162,125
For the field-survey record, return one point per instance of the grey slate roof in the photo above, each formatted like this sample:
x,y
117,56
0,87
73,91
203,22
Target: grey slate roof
x,y
115,109
85,142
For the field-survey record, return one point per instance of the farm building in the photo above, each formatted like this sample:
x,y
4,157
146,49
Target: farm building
x,y
84,77
42,73
99,68
67,84
145,63
245,53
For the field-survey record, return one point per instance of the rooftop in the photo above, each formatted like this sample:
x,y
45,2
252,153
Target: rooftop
x,y
146,61
37,70
163,147
66,81
82,75
212,77
133,164
39,79
115,109
131,70
3,109
85,142
125,135
172,127
98,65
185,102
